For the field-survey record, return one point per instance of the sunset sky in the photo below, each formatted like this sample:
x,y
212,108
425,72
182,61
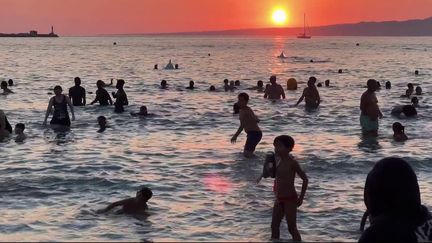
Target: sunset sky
x,y
93,17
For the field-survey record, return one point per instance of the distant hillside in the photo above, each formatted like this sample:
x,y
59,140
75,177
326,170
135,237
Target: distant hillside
x,y
388,28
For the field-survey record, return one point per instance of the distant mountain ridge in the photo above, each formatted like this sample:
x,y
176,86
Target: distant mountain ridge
x,y
387,28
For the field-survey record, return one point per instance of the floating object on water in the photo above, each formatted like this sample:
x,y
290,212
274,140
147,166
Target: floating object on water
x,y
155,66
282,55
115,43
292,84
169,66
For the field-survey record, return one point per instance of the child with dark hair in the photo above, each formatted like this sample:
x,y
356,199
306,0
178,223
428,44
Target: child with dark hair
x,y
287,201
399,132
19,131
133,205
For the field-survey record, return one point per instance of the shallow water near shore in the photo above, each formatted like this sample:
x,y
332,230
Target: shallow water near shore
x,y
203,189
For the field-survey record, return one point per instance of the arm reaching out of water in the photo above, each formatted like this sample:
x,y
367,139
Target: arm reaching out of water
x,y
50,104
301,98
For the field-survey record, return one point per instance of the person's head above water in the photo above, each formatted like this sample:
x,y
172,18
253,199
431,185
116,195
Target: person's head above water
x,y
418,90
100,84
416,72
77,81
409,110
273,79
120,83
102,121
237,83
164,84
327,83
398,128
58,90
176,66
191,84
10,82
19,128
311,81
388,85
260,84
414,100
340,71
232,83
143,110
372,85
144,194
212,88
283,145
4,84
243,100
226,81
410,86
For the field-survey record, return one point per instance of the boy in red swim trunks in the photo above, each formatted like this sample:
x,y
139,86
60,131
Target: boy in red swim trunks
x,y
287,201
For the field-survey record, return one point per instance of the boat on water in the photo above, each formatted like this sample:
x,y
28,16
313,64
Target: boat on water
x,y
32,33
304,35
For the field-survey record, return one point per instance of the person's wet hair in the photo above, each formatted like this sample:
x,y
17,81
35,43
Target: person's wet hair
x,y
340,71
287,141
378,85
409,110
155,66
237,83
397,127
20,126
418,90
388,85
191,83
146,193
273,78
101,118
212,88
10,82
226,81
120,82
260,83
244,96
319,85
416,72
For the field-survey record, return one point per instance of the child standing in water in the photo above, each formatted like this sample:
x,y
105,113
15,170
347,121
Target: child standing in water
x,y
287,201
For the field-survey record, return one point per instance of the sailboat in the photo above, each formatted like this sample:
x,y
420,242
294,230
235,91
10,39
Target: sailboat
x,y
304,36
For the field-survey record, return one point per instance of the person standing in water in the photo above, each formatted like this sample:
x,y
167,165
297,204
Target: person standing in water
x,y
77,93
311,95
102,96
60,102
274,91
248,123
370,111
120,96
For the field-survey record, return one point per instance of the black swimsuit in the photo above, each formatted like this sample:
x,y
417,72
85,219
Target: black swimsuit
x,y
61,115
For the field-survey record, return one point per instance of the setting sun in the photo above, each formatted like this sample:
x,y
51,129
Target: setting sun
x,y
279,16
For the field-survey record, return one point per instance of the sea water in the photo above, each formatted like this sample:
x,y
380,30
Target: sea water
x,y
204,190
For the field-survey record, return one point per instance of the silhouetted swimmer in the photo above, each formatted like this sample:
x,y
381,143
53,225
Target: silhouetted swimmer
x,y
164,84
393,201
292,84
10,82
155,67
319,85
4,87
418,90
19,131
77,94
259,87
327,83
133,205
248,123
191,85
310,95
142,113
236,109
102,96
232,86
407,110
274,91
415,102
169,66
311,60
209,54
115,43
370,111
60,102
5,127
388,85
399,132
102,121
409,91
226,85
237,83
340,71
358,44
212,88
120,96
416,72
176,66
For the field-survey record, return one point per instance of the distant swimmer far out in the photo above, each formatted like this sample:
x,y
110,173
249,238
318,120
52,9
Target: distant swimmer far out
x,y
164,84
102,122
311,95
142,112
133,205
120,96
191,85
102,96
370,111
4,87
10,82
60,102
275,91
292,84
248,123
388,85
212,88
77,94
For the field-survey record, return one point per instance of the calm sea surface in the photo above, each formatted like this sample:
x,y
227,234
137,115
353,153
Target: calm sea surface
x,y
50,186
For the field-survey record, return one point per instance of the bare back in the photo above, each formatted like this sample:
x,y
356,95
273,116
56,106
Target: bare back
x,y
248,120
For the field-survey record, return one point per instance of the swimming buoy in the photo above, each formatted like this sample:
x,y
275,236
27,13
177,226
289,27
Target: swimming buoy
x,y
292,84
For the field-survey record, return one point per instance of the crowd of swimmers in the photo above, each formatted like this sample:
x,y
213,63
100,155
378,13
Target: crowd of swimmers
x,y
391,193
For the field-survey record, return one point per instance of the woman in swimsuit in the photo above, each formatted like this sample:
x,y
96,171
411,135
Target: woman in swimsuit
x,y
60,102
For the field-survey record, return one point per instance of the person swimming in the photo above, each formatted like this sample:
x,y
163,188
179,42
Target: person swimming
x,y
232,86
102,96
340,71
120,96
142,113
259,87
237,83
133,205
10,82
164,84
275,91
4,87
102,122
282,55
19,131
155,67
169,66
416,72
399,132
418,90
415,101
191,85
60,102
388,85
327,83
176,66
212,88
77,94
407,110
310,94
226,85
409,91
